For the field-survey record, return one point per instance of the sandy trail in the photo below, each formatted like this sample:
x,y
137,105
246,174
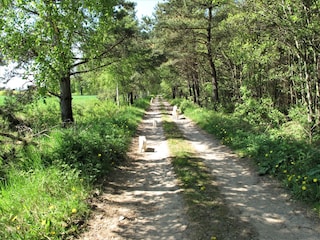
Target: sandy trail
x,y
144,201
258,200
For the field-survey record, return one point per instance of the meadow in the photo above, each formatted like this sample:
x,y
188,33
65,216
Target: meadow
x,y
45,184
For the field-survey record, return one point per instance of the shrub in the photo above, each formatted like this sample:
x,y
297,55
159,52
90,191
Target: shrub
x,y
258,112
186,104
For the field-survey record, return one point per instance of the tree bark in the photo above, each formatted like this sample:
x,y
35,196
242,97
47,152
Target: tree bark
x,y
130,95
174,89
66,100
318,89
213,73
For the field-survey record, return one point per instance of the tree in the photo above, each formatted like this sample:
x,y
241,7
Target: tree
x,y
193,28
59,39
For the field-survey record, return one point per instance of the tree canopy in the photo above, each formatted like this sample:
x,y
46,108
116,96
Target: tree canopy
x,y
55,40
217,48
217,53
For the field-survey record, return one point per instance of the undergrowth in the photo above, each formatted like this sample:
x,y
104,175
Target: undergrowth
x,y
45,182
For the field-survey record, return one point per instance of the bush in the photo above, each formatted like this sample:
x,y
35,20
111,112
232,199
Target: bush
x,y
186,104
258,112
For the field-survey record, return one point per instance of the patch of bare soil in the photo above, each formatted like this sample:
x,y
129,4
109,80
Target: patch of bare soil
x,y
142,200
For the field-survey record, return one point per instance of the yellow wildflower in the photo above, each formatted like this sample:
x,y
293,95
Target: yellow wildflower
x,y
304,188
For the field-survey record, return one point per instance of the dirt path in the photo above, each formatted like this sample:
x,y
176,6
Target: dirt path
x,y
258,200
145,202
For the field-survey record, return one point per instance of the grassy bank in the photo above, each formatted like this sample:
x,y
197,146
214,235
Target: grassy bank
x,y
44,185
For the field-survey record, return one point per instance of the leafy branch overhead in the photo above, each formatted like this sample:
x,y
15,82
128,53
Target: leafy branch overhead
x,y
58,39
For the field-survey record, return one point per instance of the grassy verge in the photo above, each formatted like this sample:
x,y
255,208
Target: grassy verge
x,y
34,205
44,187
209,215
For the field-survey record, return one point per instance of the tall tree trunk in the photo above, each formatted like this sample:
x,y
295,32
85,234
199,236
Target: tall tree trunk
x,y
66,100
214,80
130,96
318,89
308,89
117,96
196,88
174,92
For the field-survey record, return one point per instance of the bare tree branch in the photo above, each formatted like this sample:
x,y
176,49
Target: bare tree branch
x,y
100,56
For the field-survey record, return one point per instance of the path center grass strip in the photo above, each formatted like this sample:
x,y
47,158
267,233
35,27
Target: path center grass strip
x,y
209,216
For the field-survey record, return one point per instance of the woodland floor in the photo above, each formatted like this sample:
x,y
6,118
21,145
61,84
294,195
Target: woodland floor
x,y
143,200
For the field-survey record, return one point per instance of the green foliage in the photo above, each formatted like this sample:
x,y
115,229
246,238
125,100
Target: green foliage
x,y
186,104
252,44
258,112
44,186
97,143
43,114
55,41
41,203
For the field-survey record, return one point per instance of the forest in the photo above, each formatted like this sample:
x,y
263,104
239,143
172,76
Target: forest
x,y
246,71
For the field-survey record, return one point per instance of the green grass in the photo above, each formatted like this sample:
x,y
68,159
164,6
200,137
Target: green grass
x,y
44,187
84,100
35,204
76,99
